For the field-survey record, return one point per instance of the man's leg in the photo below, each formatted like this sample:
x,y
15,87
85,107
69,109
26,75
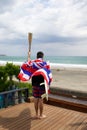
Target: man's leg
x,y
41,108
36,101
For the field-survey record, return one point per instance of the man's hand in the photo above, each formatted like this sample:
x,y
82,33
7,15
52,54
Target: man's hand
x,y
29,53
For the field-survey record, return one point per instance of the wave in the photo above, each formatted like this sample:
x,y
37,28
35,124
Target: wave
x,y
67,66
14,62
53,65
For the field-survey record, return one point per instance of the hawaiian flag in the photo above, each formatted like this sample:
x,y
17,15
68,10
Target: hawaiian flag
x,y
35,67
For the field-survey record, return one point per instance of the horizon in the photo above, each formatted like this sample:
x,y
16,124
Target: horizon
x,y
3,55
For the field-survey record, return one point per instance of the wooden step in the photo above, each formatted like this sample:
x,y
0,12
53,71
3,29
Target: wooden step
x,y
69,93
68,102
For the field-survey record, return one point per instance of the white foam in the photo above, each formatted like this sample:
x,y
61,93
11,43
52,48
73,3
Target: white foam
x,y
53,65
63,66
14,62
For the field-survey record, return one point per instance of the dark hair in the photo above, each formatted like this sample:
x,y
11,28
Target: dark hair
x,y
40,54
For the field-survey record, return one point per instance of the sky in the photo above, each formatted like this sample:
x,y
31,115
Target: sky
x,y
58,27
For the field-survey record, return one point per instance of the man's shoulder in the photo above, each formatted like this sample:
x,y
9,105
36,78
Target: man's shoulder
x,y
39,60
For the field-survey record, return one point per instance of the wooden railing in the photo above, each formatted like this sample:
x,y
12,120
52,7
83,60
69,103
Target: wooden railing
x,y
13,97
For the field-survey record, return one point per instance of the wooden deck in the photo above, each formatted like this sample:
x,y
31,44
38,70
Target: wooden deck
x,y
19,117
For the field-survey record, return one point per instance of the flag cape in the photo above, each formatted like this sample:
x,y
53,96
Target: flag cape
x,y
33,68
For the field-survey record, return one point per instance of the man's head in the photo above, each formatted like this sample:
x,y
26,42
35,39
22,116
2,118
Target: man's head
x,y
40,54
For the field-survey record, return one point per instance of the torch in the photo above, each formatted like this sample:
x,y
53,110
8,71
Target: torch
x,y
29,49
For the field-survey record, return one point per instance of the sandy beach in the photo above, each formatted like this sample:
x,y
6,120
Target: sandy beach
x,y
70,78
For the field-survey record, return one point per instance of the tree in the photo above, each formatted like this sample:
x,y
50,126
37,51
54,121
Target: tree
x,y
17,70
10,70
3,78
3,74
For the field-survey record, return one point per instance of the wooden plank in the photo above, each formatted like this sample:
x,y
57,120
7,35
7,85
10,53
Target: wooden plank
x,y
83,125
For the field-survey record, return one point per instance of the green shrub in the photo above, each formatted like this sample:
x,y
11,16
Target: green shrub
x,y
11,70
6,86
3,74
24,85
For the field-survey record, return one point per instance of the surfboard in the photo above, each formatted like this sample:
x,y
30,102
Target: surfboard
x,y
45,95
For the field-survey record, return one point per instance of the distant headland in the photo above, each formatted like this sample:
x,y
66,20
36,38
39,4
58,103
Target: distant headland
x,y
2,55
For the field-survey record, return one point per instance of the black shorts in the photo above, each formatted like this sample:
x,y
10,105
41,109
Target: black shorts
x,y
38,89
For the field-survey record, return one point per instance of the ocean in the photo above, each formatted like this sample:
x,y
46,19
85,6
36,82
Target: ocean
x,y
54,60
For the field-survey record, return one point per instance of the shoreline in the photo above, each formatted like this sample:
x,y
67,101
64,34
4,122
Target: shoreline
x,y
68,66
53,65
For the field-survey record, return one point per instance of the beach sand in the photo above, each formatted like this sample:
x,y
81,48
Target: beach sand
x,y
73,79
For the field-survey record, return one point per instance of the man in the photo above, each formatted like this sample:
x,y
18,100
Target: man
x,y
38,70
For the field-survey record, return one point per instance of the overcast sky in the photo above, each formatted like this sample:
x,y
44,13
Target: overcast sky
x,y
59,27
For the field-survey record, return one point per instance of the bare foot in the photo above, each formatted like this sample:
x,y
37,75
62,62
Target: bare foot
x,y
42,117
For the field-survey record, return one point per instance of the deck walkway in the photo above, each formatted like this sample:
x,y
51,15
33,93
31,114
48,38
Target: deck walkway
x,y
19,117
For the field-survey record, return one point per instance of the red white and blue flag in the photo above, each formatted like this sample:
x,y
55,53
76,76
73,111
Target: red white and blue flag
x,y
35,67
